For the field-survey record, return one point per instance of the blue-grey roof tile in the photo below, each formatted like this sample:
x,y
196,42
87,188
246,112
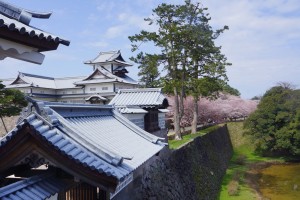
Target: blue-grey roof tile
x,y
143,97
36,187
103,141
13,19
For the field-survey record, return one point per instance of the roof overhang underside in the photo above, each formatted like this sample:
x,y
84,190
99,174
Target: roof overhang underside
x,y
20,52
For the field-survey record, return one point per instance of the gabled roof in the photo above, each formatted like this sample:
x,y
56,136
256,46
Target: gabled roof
x,y
143,97
96,139
32,80
36,187
109,57
101,75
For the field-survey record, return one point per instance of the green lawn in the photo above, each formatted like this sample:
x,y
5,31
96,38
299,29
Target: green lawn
x,y
243,155
175,144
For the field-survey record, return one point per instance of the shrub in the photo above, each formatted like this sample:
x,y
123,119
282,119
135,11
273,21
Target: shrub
x,y
233,188
241,159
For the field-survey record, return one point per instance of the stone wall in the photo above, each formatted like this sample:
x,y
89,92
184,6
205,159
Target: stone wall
x,y
10,123
162,134
194,171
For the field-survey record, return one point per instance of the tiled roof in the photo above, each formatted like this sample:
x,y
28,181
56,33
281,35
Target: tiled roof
x,y
17,19
66,82
145,97
13,24
67,146
42,81
108,57
95,137
109,78
32,80
36,187
134,110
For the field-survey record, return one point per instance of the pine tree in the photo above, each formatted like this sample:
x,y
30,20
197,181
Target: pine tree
x,y
11,102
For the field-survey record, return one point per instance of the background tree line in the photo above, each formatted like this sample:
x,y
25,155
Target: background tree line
x,y
275,125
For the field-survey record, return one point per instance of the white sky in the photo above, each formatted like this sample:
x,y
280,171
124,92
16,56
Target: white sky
x,y
262,43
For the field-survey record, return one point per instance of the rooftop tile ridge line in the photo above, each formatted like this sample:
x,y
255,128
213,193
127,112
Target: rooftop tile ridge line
x,y
21,15
51,126
35,14
107,155
109,74
115,163
37,76
109,52
114,53
136,129
141,90
22,184
69,105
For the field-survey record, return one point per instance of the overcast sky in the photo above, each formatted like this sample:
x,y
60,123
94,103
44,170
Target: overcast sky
x,y
262,43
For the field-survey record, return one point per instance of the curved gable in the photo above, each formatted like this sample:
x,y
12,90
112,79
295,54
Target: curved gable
x,y
19,80
35,142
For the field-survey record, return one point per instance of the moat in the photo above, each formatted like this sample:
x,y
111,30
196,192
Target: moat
x,y
280,182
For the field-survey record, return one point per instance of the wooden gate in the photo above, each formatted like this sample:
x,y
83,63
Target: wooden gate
x,y
151,121
83,191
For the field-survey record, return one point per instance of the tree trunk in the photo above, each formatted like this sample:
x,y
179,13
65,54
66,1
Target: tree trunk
x,y
182,92
3,124
176,116
181,105
195,115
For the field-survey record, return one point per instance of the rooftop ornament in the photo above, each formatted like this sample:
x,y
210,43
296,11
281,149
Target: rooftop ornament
x,y
22,15
21,41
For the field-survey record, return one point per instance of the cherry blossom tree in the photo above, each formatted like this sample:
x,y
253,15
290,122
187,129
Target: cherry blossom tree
x,y
225,108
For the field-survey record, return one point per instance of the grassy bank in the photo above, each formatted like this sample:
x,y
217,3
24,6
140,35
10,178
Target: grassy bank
x,y
237,182
175,144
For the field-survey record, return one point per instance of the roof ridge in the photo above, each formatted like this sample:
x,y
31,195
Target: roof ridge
x,y
36,76
148,136
113,55
20,14
141,90
112,51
